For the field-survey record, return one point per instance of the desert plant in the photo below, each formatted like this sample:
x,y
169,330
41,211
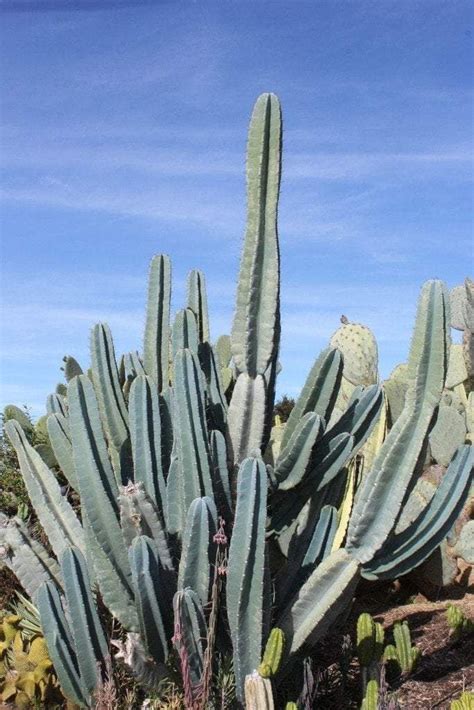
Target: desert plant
x,y
458,622
371,697
27,677
402,655
179,509
273,654
283,408
370,638
464,702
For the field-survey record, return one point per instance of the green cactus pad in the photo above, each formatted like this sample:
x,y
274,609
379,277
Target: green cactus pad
x,y
360,354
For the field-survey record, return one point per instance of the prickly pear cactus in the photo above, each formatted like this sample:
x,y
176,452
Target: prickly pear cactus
x,y
395,388
360,353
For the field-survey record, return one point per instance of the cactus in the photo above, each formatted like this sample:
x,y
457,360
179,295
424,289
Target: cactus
x,y
199,548
402,654
25,556
165,448
13,412
370,636
464,702
246,571
371,698
146,578
156,341
71,368
78,648
26,675
359,349
448,433
458,623
273,653
190,638
395,388
258,693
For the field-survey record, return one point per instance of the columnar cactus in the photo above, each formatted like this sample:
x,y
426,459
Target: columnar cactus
x,y
402,653
169,453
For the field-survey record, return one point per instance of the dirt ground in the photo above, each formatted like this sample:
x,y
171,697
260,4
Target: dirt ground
x,y
446,666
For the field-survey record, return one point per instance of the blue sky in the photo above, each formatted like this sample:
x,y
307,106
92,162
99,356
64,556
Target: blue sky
x,y
123,135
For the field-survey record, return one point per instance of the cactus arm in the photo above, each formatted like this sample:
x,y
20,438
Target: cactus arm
x,y
198,555
246,416
133,367
258,693
273,654
255,331
156,339
401,636
191,429
60,644
90,452
216,401
320,600
138,516
295,458
89,640
71,367
116,591
197,302
98,491
246,570
55,513
190,634
371,698
409,548
107,386
346,505
319,392
285,508
372,519
25,556
56,404
185,332
218,451
320,544
174,504
360,417
60,438
306,552
146,575
145,436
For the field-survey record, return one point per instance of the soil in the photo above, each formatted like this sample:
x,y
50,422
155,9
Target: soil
x,y
446,666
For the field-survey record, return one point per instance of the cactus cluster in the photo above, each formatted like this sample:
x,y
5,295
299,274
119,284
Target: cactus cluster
x,y
452,427
189,523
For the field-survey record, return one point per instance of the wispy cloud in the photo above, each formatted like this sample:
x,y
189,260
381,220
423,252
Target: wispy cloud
x,y
124,134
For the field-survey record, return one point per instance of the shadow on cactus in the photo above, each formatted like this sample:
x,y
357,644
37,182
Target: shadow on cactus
x,y
194,532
